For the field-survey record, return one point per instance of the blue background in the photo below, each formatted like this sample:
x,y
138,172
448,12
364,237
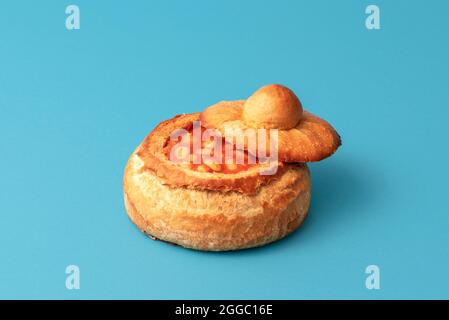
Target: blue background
x,y
74,105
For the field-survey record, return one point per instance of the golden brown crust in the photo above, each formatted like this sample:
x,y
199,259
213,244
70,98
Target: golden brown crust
x,y
312,139
216,220
272,107
216,117
152,153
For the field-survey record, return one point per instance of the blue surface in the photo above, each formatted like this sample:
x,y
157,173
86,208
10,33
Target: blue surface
x,y
74,105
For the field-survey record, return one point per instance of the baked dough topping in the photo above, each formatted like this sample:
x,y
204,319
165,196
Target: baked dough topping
x,y
302,136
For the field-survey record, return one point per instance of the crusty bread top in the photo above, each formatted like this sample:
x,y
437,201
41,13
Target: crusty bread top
x,y
272,107
312,139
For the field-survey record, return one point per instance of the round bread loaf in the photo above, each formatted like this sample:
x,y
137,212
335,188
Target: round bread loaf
x,y
216,220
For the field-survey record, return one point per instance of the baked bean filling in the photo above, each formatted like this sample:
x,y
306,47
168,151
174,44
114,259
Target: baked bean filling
x,y
212,155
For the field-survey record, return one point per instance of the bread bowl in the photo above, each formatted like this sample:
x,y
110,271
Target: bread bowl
x,y
204,204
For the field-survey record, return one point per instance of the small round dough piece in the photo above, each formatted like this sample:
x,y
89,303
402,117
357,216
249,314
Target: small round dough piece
x,y
272,107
